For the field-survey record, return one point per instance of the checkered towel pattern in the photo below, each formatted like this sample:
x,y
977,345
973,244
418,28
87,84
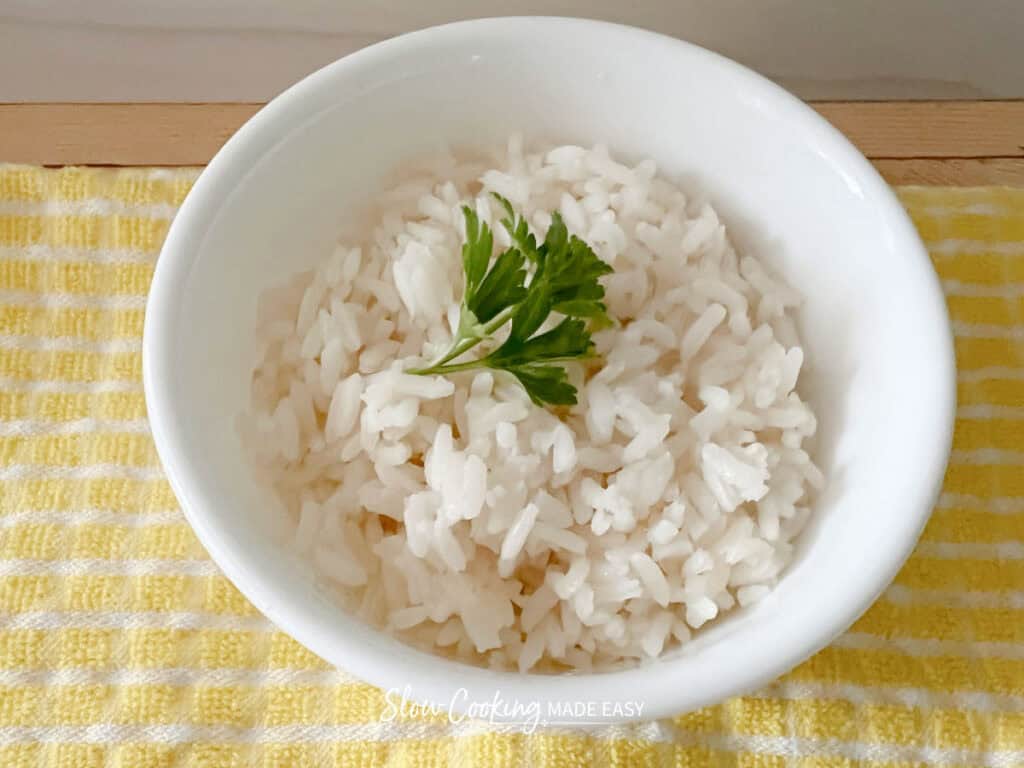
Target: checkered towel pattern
x,y
121,644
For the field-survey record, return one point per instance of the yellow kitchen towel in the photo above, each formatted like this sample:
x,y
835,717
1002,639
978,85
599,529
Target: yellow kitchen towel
x,y
122,645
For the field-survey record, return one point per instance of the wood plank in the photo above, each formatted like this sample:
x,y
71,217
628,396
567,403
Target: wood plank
x,y
953,172
189,134
117,134
931,128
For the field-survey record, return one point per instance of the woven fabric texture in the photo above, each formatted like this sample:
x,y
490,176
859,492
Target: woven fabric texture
x,y
121,644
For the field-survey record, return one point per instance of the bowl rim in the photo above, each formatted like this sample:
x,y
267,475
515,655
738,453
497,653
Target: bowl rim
x,y
439,679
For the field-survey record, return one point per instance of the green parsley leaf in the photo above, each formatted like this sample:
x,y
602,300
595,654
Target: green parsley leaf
x,y
568,340
581,308
556,239
476,252
518,230
545,384
577,266
532,312
501,288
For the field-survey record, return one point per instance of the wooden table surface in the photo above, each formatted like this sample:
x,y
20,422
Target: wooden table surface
x,y
921,142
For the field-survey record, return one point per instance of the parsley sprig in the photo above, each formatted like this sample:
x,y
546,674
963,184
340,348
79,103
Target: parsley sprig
x,y
564,281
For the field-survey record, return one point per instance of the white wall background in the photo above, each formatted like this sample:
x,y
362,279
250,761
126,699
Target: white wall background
x,y
248,50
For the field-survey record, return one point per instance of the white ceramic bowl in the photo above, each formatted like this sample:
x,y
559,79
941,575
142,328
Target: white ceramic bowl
x,y
789,186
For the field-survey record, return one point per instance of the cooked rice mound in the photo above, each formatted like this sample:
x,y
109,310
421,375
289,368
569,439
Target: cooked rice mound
x,y
453,512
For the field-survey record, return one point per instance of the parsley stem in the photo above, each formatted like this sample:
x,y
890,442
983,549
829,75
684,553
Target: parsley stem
x,y
468,365
465,343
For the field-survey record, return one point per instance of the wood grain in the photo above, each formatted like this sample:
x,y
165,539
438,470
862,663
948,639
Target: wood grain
x,y
911,129
953,172
189,134
117,134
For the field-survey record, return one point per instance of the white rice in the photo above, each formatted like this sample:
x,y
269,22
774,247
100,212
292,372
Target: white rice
x,y
457,515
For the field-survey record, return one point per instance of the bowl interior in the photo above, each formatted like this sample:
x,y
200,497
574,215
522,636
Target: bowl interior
x,y
790,189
